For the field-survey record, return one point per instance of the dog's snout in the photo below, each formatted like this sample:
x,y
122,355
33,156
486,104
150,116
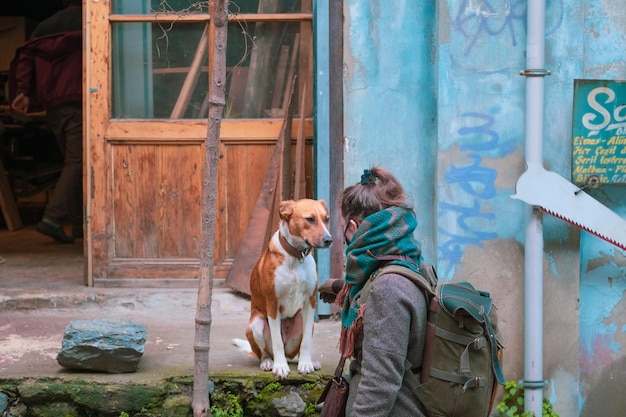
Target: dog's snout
x,y
328,240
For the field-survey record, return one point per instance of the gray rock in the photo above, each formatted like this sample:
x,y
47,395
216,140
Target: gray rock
x,y
291,405
113,346
17,410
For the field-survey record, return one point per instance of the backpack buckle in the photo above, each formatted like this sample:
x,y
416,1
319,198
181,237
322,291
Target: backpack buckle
x,y
479,343
476,382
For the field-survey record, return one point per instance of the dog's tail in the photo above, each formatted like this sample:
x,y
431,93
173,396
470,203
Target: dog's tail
x,y
243,345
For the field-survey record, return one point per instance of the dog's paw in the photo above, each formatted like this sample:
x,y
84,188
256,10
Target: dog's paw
x,y
267,364
281,370
307,367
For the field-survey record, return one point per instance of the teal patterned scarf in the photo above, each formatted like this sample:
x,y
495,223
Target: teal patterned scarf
x,y
387,232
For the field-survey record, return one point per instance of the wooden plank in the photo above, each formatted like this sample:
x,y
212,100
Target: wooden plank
x,y
305,66
156,201
205,17
263,219
242,170
299,189
177,283
96,62
292,67
180,199
285,187
134,193
192,77
194,131
303,42
280,76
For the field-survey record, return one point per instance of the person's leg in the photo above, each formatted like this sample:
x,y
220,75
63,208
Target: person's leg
x,y
66,199
74,157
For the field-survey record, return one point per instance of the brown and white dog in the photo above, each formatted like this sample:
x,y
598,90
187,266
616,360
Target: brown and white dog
x,y
283,289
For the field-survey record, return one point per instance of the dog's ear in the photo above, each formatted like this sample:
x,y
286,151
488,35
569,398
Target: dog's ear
x,y
323,203
285,209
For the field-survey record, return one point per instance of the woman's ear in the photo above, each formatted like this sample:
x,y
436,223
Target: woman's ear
x,y
352,226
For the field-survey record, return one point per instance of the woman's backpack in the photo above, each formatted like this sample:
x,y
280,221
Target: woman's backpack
x,y
462,359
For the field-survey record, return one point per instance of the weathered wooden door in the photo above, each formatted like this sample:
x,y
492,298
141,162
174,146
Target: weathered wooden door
x,y
147,74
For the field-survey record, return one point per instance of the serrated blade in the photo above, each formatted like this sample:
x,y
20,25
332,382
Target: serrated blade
x,y
560,198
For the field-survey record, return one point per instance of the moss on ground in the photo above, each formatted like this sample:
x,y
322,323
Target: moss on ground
x,y
230,395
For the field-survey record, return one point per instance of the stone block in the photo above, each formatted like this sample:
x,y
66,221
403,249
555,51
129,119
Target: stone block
x,y
113,346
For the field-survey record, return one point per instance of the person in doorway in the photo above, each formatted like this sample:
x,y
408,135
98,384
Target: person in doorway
x,y
389,329
47,75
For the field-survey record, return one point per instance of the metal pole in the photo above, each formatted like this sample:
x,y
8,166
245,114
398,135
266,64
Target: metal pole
x,y
533,284
329,131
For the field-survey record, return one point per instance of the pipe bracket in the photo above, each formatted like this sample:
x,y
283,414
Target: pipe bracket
x,y
535,72
533,384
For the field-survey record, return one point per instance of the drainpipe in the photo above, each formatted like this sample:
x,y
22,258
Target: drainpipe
x,y
328,76
533,382
321,32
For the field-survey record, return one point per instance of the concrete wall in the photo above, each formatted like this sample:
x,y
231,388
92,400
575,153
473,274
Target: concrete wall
x,y
390,98
432,91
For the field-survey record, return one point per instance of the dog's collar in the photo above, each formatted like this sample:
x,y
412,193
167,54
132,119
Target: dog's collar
x,y
291,250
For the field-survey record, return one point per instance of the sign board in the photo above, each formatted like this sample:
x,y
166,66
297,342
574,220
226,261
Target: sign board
x,y
599,132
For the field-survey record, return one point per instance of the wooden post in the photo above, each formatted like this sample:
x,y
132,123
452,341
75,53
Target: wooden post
x,y
201,404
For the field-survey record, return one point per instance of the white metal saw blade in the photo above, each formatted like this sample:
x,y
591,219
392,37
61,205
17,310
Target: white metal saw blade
x,y
558,197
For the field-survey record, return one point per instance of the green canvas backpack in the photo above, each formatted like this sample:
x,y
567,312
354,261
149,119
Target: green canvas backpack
x,y
461,366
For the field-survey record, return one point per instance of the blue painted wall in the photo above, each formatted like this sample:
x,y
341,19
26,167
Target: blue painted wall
x,y
432,91
390,98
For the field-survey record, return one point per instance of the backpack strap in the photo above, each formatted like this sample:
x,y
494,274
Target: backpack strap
x,y
495,353
424,282
427,283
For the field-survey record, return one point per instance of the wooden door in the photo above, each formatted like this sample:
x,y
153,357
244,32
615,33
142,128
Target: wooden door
x,y
147,75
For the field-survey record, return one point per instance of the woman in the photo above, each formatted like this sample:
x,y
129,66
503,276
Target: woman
x,y
389,329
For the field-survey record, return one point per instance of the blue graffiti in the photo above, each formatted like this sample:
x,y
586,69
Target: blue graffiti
x,y
469,177
482,129
467,213
475,19
469,225
485,26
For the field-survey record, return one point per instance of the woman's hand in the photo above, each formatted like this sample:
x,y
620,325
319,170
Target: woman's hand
x,y
329,290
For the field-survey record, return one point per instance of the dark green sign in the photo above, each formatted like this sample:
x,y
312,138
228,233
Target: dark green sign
x,y
599,132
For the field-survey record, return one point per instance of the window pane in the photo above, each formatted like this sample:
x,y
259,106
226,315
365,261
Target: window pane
x,y
262,58
160,70
154,75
